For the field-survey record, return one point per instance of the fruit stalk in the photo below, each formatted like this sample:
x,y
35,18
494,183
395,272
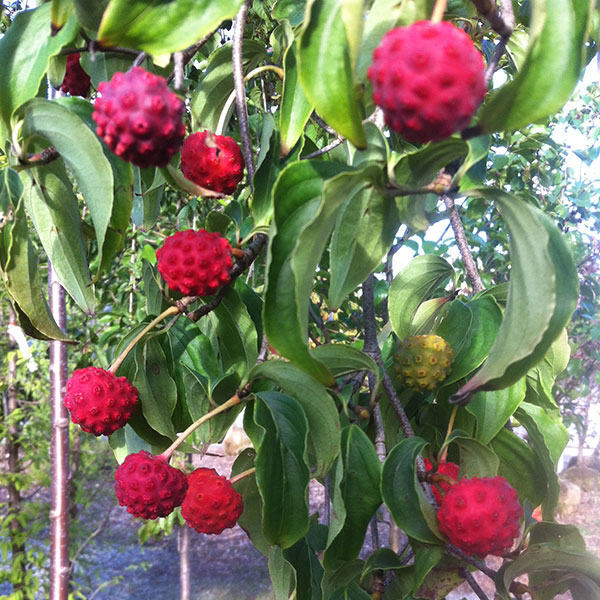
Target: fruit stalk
x,y
448,432
172,310
438,11
233,401
243,474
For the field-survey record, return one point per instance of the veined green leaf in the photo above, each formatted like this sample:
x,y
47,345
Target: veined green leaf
x,y
60,13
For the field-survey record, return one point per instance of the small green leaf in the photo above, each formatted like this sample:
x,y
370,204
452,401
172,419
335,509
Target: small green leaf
x,y
383,559
325,69
402,492
309,572
283,575
89,14
278,428
342,359
162,28
476,460
292,10
413,285
60,13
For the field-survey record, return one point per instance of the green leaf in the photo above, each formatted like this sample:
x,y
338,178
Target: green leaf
x,y
22,278
25,52
283,575
550,71
251,519
342,359
53,208
520,466
155,301
355,497
403,494
292,10
86,159
383,559
325,69
493,409
476,460
319,408
352,12
157,27
266,174
148,186
216,86
543,278
478,151
350,592
307,196
89,14
278,428
309,572
363,234
413,285
295,107
60,13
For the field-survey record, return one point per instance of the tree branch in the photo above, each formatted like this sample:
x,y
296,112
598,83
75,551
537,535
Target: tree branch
x,y
458,553
488,9
473,584
324,149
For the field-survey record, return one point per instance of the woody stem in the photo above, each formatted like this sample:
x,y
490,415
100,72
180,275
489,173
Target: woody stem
x,y
241,475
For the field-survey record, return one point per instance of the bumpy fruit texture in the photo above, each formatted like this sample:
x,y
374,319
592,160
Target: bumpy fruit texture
x,y
481,515
445,468
422,362
148,486
99,402
429,80
195,263
211,504
212,161
139,118
76,81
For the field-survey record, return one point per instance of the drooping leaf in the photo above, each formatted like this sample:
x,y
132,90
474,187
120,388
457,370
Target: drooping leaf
x,y
162,28
549,72
60,13
414,284
355,497
342,359
278,428
325,69
283,575
319,408
543,278
476,460
309,571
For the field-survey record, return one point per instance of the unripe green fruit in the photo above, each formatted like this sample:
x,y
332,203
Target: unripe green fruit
x,y
422,362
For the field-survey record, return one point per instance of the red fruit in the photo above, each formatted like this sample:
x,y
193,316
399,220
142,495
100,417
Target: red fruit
x,y
76,81
429,80
445,468
481,515
211,504
195,263
99,401
212,161
148,486
139,118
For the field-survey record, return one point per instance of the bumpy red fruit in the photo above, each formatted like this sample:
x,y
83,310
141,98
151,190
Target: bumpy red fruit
x,y
99,402
481,515
139,118
212,161
76,81
429,80
445,468
148,486
211,504
195,263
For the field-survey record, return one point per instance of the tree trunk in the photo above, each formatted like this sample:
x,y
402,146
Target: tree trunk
x,y
17,539
184,562
59,449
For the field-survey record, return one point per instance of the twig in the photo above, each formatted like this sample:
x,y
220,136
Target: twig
x,y
488,9
139,59
319,323
240,92
463,246
324,149
493,64
317,119
89,538
45,157
178,70
190,52
474,585
458,553
379,431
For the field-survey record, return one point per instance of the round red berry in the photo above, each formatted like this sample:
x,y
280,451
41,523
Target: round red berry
x,y
445,468
212,161
211,504
195,263
76,81
148,486
428,78
481,515
99,401
139,118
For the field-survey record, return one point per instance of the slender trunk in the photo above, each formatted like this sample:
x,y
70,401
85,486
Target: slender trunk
x,y
59,449
184,562
583,433
17,540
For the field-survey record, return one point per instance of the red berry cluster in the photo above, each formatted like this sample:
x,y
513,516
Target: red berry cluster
x,y
445,468
99,401
195,263
139,118
429,80
481,515
212,161
76,81
211,504
148,486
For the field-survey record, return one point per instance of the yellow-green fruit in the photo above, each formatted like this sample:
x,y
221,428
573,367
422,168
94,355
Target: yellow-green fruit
x,y
422,362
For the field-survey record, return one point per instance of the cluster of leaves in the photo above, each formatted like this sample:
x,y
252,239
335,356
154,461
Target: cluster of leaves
x,y
331,221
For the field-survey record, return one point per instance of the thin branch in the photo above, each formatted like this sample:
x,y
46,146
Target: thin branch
x,y
324,149
320,324
190,52
474,585
89,538
317,119
463,246
493,64
139,59
240,92
458,553
488,9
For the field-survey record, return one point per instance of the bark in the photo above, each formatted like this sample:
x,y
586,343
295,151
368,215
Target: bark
x,y
184,562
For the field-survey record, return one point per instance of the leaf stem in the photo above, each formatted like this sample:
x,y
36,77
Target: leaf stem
x,y
233,401
448,432
172,310
241,475
438,11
